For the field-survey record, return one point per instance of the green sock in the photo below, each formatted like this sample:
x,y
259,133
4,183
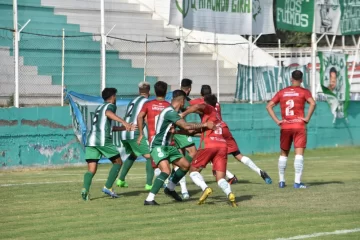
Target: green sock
x,y
88,176
149,172
127,165
187,156
114,171
159,182
178,175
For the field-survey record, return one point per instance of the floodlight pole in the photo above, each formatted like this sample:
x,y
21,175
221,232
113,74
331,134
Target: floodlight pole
x,y
145,60
16,53
181,52
103,45
217,69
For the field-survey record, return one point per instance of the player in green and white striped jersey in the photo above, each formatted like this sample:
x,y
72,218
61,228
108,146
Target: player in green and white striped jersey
x,y
163,154
129,139
100,143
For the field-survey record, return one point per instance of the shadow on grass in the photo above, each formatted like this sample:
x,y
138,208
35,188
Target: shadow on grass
x,y
324,183
239,182
133,193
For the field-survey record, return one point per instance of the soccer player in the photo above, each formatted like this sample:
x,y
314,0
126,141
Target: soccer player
x,y
163,154
232,146
292,101
185,143
151,111
99,142
129,139
213,147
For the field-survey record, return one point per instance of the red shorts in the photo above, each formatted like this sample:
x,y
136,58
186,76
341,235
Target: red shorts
x,y
230,141
218,156
287,136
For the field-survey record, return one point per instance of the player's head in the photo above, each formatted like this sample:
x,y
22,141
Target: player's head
x,y
333,78
160,89
144,88
109,95
178,99
205,90
296,78
186,85
211,99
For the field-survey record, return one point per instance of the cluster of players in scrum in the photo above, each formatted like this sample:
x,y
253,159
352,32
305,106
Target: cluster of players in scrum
x,y
172,152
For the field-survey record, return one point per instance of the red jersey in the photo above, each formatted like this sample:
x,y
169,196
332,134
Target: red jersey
x,y
211,138
202,101
152,109
292,103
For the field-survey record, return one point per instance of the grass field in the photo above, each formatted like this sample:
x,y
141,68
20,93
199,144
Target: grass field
x,y
46,203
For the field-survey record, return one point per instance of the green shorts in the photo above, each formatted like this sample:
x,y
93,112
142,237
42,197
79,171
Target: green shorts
x,y
183,141
95,153
169,153
131,146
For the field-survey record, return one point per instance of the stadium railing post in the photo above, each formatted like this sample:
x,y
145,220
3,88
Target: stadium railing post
x,y
145,58
62,66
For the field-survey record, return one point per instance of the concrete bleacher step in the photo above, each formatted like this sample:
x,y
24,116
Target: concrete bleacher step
x,y
80,5
163,62
33,79
29,89
194,71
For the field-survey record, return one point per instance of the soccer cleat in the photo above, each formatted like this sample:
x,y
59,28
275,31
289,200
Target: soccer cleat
x,y
233,180
121,183
85,195
232,199
148,187
282,184
299,185
172,194
109,192
151,203
207,192
185,195
266,177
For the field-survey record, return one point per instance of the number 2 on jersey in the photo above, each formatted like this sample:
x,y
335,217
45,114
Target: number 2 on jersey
x,y
289,106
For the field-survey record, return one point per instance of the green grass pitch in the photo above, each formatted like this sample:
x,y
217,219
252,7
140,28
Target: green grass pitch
x,y
46,203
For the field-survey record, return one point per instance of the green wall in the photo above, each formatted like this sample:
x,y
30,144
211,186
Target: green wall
x,y
44,136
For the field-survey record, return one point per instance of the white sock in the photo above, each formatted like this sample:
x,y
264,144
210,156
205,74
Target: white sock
x,y
282,167
198,180
183,185
229,174
171,186
298,165
150,197
225,186
176,168
247,161
157,172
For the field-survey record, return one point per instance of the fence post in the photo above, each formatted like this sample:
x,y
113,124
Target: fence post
x,y
181,55
250,60
145,61
217,68
62,66
313,64
354,61
16,53
103,45
280,65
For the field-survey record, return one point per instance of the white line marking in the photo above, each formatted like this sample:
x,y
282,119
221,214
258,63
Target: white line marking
x,y
337,232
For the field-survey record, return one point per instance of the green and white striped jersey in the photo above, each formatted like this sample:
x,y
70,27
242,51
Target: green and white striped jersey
x,y
132,111
100,131
167,118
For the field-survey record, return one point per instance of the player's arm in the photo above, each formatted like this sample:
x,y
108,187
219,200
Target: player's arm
x,y
140,123
114,117
196,108
270,108
122,128
312,106
194,126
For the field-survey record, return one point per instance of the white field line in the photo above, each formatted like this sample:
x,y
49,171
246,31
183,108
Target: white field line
x,y
320,234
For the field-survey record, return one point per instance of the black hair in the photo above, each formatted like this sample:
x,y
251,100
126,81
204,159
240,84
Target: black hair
x,y
179,93
205,90
297,75
333,70
186,83
211,99
160,88
108,93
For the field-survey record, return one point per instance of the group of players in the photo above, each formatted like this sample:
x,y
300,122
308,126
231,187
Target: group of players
x,y
172,152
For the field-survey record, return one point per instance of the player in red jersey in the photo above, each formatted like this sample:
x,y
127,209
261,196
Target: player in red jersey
x,y
293,124
213,148
151,110
232,146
